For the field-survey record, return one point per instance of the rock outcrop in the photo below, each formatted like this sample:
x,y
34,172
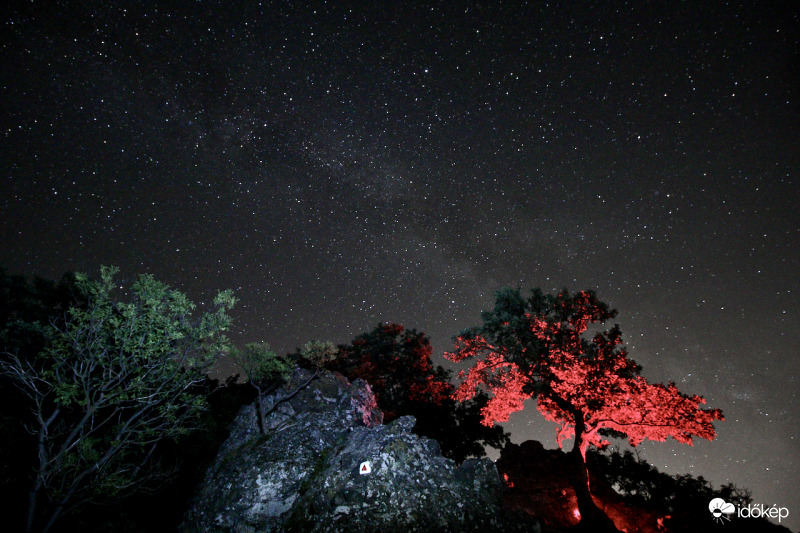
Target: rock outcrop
x,y
326,463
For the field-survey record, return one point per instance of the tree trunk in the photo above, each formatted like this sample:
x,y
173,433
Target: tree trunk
x,y
33,496
55,515
38,483
592,518
260,409
262,414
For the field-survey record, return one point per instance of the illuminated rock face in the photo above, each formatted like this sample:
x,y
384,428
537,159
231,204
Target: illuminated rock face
x,y
304,474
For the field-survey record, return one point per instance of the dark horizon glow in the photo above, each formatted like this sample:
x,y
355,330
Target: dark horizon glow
x,y
342,167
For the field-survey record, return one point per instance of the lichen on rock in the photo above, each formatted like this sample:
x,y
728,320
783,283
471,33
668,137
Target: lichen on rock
x,y
303,475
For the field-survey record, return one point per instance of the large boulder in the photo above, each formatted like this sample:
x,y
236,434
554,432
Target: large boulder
x,y
326,463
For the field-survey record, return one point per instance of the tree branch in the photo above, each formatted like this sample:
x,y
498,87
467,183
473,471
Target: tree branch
x,y
292,395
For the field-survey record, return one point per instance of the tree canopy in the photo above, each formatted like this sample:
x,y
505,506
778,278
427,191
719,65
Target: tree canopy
x,y
397,364
113,380
263,370
538,348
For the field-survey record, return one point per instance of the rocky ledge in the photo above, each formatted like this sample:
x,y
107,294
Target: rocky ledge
x,y
326,463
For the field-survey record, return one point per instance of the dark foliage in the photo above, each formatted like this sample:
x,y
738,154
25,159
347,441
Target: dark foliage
x,y
192,454
27,308
644,485
396,362
682,498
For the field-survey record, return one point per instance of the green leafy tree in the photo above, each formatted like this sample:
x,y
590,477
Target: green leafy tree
x,y
264,371
318,353
113,380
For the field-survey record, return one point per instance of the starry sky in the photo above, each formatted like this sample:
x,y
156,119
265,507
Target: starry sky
x,y
340,165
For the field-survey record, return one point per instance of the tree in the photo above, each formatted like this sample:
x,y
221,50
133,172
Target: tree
x,y
266,371
537,349
318,353
26,310
643,485
396,362
674,497
263,370
113,380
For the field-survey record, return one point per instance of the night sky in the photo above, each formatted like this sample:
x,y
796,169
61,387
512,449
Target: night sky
x,y
339,167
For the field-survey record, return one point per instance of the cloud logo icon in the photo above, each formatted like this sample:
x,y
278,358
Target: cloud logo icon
x,y
720,509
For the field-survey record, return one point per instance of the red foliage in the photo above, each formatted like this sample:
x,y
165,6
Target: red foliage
x,y
430,390
591,379
397,364
502,379
393,329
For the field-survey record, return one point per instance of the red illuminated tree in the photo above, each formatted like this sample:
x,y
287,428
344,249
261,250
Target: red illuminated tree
x,y
397,364
539,349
